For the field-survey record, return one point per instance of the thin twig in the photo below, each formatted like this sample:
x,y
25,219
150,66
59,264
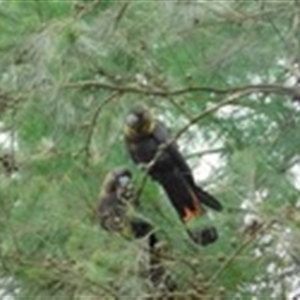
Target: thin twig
x,y
205,152
179,107
191,122
93,124
121,13
238,251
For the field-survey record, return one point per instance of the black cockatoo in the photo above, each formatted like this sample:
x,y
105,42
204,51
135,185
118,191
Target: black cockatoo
x,y
144,137
116,195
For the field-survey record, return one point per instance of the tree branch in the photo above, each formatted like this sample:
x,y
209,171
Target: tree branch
x,y
134,88
205,152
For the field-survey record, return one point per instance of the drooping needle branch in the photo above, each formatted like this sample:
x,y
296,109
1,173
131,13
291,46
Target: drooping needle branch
x,y
87,144
262,228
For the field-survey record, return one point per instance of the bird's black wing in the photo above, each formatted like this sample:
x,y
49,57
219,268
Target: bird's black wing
x,y
162,135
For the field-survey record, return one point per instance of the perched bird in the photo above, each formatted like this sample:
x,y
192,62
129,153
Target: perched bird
x,y
116,195
145,136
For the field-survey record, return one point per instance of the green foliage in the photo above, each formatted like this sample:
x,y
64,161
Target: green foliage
x,y
70,135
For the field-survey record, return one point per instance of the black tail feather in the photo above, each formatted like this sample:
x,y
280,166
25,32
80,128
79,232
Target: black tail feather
x,y
178,191
209,200
204,236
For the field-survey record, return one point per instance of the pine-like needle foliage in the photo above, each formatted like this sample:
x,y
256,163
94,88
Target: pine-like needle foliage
x,y
226,72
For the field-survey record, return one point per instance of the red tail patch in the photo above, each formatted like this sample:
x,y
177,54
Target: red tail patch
x,y
195,212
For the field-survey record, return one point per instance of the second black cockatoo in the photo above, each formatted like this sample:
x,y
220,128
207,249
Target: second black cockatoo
x,y
144,137
116,195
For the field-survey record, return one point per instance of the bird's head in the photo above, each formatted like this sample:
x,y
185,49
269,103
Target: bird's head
x,y
139,121
117,180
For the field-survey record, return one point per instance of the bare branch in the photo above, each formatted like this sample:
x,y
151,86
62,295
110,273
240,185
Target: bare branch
x,y
205,152
135,89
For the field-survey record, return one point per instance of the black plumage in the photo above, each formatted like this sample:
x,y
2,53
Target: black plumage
x,y
116,197
144,137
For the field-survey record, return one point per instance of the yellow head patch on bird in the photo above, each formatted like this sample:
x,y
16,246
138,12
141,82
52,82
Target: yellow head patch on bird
x,y
139,121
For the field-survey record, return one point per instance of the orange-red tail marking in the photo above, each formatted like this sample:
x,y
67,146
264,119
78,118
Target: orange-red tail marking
x,y
196,211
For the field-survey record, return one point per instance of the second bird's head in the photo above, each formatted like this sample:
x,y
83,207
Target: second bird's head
x,y
117,180
139,121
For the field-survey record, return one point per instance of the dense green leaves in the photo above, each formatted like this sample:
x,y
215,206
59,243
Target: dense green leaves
x,y
71,70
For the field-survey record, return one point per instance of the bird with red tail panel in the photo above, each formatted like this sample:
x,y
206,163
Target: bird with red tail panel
x,y
145,136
